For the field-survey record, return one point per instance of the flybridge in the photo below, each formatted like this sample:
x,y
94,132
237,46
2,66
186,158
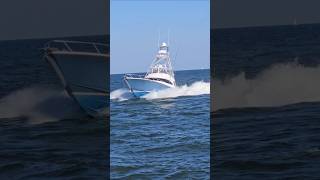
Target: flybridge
x,y
161,67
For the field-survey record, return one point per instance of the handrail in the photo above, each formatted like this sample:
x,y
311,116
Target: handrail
x,y
69,45
134,75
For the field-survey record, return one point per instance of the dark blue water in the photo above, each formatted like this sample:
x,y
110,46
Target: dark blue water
x,y
266,103
162,138
43,133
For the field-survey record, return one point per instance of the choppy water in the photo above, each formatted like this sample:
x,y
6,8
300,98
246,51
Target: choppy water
x,y
266,119
43,133
165,134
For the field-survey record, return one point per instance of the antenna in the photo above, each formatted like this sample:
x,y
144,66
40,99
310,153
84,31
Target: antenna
x,y
159,38
175,56
168,37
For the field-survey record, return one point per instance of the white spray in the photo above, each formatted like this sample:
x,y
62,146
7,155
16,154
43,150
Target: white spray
x,y
195,89
39,105
279,85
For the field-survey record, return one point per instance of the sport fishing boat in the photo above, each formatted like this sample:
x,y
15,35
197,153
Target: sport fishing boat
x,y
83,69
160,75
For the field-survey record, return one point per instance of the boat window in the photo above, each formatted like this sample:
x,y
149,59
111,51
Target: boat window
x,y
159,79
164,48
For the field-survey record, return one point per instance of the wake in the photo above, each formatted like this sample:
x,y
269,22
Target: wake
x,y
39,105
282,84
195,89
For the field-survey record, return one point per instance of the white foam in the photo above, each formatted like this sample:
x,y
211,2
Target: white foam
x,y
195,89
279,85
120,95
39,105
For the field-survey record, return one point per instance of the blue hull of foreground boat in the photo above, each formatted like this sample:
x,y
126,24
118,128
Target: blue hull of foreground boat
x,y
93,104
140,87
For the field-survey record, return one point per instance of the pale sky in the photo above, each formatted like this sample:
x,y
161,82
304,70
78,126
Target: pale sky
x,y
134,33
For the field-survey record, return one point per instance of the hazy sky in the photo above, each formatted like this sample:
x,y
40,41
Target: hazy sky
x,y
134,33
239,13
52,18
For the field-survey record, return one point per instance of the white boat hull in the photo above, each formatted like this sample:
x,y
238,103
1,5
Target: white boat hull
x,y
141,86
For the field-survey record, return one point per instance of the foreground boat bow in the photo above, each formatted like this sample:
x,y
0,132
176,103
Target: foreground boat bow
x,y
83,70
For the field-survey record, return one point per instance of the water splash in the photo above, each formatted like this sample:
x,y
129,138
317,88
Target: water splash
x,y
39,105
120,95
281,84
195,89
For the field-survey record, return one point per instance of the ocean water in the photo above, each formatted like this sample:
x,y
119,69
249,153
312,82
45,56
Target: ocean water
x,y
165,134
43,133
266,104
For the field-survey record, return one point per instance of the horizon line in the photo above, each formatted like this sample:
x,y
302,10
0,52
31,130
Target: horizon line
x,y
52,37
260,26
